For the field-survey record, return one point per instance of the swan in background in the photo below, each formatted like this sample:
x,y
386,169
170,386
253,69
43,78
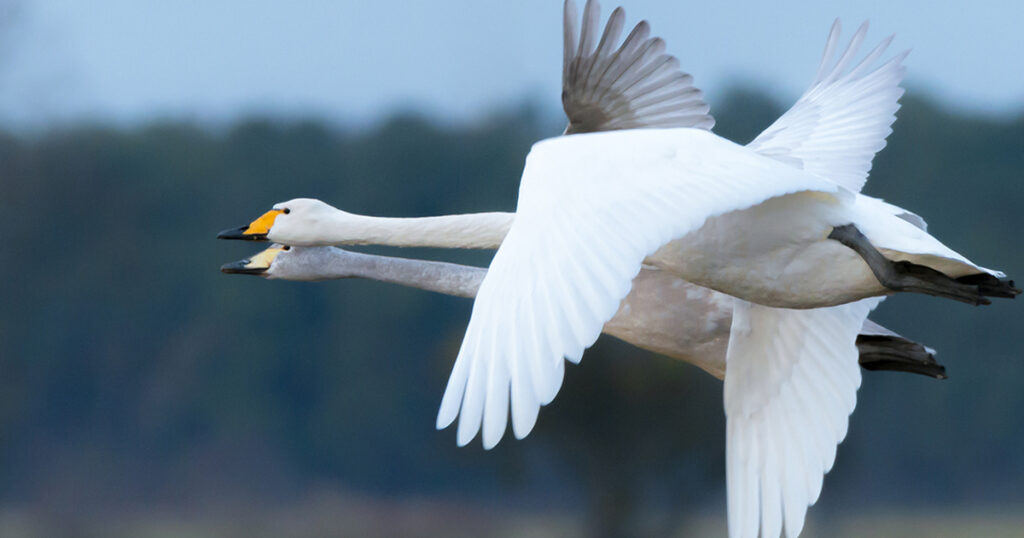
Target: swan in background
x,y
778,222
662,312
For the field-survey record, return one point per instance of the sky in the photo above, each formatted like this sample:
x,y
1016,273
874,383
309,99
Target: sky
x,y
351,62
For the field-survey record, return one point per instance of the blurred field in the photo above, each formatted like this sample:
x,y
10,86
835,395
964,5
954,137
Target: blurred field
x,y
143,393
933,523
330,514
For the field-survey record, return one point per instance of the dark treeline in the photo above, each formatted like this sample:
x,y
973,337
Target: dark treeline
x,y
132,371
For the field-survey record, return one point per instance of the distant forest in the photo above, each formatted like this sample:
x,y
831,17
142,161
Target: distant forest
x,y
132,371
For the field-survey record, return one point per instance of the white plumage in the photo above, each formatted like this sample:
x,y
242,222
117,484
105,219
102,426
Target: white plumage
x,y
580,235
753,222
791,383
835,129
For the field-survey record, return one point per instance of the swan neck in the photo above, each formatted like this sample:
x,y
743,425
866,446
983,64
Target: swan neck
x,y
439,277
474,230
331,263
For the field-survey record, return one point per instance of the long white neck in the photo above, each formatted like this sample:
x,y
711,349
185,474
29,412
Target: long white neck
x,y
329,263
473,230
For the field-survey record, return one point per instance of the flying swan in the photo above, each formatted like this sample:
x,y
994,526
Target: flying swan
x,y
779,224
662,312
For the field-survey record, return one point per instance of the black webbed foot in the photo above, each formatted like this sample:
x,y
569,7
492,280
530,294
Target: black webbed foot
x,y
907,276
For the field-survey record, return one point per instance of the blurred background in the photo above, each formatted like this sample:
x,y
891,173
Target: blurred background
x,y
143,393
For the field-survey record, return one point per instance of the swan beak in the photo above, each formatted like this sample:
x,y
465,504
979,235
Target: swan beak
x,y
255,231
257,265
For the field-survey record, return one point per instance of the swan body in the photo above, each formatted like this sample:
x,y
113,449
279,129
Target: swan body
x,y
778,253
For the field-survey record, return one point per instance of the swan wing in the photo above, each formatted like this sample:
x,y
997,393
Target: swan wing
x,y
790,385
606,86
591,208
841,122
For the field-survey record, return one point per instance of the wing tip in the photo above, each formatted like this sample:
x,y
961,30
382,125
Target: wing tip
x,y
447,412
443,421
490,441
465,434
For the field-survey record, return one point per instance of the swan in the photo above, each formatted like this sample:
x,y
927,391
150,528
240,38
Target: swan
x,y
780,224
662,312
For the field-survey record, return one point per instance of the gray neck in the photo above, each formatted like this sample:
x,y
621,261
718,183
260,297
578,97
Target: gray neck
x,y
329,263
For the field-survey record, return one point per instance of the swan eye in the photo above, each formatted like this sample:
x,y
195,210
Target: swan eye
x,y
286,247
286,211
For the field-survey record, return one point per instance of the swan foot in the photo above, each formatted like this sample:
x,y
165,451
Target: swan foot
x,y
895,353
906,276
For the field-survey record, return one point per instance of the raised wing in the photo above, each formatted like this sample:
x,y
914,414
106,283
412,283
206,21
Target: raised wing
x,y
591,208
636,85
841,122
790,385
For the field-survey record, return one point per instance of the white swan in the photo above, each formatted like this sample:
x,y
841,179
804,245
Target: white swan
x,y
662,312
754,222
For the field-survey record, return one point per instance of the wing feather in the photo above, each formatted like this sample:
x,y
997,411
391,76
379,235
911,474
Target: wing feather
x,y
591,208
841,121
790,385
604,88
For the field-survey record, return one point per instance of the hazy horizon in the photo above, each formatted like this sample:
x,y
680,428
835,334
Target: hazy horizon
x,y
349,63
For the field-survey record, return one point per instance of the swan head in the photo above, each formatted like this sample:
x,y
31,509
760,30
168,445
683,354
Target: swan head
x,y
309,264
302,221
260,265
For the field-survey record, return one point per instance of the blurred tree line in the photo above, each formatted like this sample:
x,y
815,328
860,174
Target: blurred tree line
x,y
133,372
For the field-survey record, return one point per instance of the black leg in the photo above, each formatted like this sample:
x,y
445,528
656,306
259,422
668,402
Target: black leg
x,y
895,353
906,276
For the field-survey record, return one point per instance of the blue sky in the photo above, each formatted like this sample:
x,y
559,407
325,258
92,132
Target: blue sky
x,y
133,60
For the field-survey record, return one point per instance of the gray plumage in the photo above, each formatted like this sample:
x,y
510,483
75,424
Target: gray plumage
x,y
634,86
662,312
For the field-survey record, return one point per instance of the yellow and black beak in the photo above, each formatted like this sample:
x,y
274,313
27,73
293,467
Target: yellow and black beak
x,y
256,265
255,231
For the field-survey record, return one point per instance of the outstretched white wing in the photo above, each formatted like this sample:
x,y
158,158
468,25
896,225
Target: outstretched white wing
x,y
591,208
635,85
791,383
841,122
